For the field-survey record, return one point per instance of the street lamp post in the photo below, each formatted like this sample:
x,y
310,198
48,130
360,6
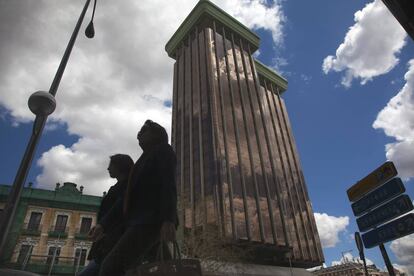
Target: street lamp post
x,y
42,104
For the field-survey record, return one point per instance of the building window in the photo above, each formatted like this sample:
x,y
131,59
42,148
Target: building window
x,y
24,253
61,222
80,256
53,251
86,224
34,221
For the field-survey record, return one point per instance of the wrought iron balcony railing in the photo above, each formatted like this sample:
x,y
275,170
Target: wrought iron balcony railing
x,y
81,234
31,229
58,231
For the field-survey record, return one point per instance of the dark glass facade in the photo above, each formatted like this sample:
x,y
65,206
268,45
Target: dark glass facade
x,y
238,167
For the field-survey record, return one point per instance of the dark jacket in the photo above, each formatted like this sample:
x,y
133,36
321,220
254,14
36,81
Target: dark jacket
x,y
100,248
109,200
152,195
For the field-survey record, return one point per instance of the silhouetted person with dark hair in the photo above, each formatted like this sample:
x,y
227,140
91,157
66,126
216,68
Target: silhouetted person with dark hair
x,y
120,166
149,207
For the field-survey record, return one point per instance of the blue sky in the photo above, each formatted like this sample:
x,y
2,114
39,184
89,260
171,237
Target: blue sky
x,y
332,116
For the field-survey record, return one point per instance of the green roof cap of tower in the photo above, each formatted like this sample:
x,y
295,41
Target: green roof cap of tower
x,y
271,75
201,10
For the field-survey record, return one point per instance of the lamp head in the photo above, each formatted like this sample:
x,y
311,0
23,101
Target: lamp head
x,y
42,103
90,30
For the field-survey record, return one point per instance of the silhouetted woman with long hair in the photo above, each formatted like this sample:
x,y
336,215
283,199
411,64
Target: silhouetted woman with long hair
x,y
120,166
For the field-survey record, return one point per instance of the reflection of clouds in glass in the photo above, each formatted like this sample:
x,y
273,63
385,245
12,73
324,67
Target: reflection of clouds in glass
x,y
231,65
222,59
204,212
238,205
188,218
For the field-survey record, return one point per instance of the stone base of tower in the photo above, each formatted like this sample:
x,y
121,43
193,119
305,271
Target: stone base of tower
x,y
231,269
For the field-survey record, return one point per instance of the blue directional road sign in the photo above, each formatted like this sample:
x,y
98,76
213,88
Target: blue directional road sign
x,y
384,213
390,231
386,192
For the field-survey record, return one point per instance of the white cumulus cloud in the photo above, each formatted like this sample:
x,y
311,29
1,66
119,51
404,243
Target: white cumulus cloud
x,y
256,14
112,83
403,249
329,228
349,258
370,46
397,121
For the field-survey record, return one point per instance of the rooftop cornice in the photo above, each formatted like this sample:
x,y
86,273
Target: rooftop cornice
x,y
57,196
271,75
203,9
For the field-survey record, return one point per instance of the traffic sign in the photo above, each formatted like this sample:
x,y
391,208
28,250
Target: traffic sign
x,y
358,242
390,231
384,213
388,191
371,181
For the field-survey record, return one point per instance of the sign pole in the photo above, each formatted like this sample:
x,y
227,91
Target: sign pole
x,y
362,256
360,247
387,261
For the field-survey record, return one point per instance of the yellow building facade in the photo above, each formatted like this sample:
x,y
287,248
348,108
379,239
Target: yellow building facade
x,y
49,232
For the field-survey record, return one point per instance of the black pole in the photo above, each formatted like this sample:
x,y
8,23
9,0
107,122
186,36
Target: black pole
x,y
17,188
387,261
360,247
59,73
362,256
38,125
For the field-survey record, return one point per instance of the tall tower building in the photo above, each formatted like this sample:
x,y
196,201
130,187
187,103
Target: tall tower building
x,y
238,166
